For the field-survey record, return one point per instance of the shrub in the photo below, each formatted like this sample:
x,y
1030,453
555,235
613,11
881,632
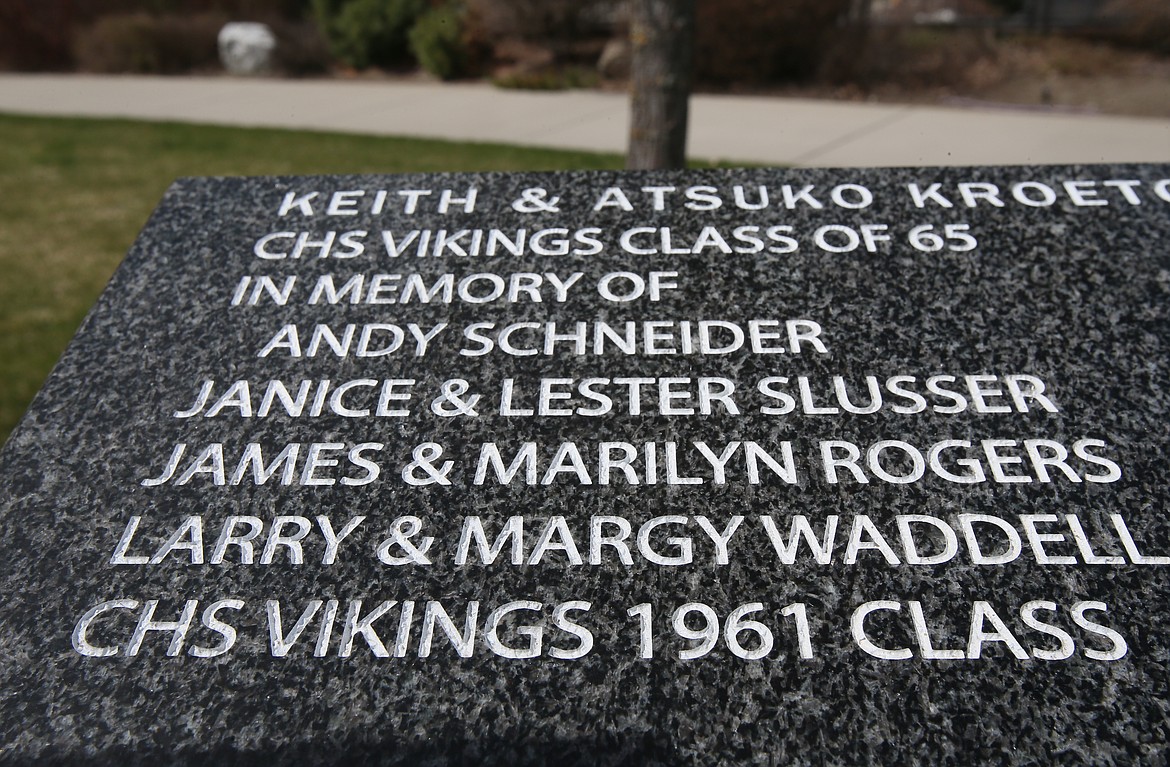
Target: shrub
x,y
365,33
34,34
758,41
1140,23
143,44
910,57
45,34
437,42
545,21
300,48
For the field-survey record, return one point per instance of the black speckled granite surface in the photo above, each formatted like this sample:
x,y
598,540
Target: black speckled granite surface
x,y
1075,295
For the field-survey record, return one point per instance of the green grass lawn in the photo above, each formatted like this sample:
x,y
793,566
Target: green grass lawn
x,y
74,194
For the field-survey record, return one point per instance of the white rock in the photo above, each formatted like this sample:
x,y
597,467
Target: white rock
x,y
245,48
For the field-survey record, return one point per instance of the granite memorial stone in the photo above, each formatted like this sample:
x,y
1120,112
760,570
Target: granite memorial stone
x,y
723,467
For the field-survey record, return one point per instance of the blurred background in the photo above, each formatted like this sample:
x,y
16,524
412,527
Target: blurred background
x,y
1096,55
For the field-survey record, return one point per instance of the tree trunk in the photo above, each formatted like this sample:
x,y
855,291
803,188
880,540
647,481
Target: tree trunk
x,y
662,39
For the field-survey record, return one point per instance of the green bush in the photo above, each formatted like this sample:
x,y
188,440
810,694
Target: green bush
x,y
437,43
366,33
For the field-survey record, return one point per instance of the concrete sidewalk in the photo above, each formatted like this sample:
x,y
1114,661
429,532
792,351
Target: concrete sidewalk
x,y
750,129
